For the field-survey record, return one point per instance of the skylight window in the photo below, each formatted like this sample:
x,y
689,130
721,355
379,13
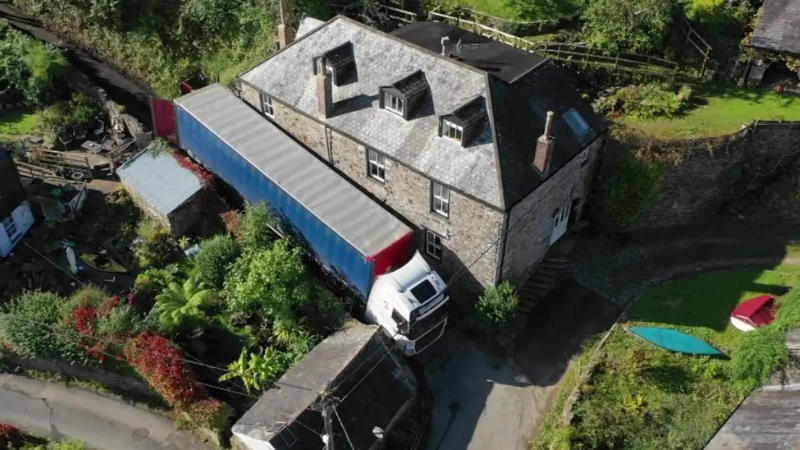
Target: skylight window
x,y
576,122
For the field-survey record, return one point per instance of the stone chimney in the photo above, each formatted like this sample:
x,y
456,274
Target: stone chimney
x,y
285,35
544,146
324,91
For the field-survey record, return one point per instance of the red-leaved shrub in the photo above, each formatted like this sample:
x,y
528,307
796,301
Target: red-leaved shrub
x,y
10,437
206,178
159,362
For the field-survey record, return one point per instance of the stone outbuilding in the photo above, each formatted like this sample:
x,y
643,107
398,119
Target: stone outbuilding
x,y
164,190
486,149
16,217
370,387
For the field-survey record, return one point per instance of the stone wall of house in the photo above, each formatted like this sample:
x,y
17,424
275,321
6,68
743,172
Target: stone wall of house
x,y
701,179
306,130
531,221
469,230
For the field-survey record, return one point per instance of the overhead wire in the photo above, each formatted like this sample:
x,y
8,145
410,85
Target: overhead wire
x,y
346,435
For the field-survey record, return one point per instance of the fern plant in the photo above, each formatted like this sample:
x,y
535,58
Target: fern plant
x,y
178,304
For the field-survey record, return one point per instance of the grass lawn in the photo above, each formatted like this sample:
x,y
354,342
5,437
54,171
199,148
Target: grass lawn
x,y
720,111
642,397
524,10
23,121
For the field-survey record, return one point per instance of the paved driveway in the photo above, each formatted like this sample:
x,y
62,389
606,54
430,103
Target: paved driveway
x,y
485,401
103,423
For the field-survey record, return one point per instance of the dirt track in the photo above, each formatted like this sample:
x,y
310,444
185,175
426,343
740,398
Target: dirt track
x,y
135,96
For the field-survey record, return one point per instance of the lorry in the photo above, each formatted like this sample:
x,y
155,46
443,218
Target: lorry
x,y
353,238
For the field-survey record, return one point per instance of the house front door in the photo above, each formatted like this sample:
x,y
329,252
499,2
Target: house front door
x,y
560,222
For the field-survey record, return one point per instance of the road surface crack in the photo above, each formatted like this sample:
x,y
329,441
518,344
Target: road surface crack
x,y
54,433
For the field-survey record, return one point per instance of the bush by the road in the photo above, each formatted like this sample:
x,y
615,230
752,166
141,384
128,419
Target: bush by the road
x,y
496,309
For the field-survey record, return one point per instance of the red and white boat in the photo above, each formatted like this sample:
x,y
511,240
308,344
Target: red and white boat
x,y
754,313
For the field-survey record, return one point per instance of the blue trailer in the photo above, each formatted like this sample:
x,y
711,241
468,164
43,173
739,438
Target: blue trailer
x,y
348,233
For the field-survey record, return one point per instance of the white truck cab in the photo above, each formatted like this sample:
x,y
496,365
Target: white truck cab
x,y
411,304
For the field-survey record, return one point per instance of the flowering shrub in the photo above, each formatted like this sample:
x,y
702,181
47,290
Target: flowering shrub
x,y
206,177
10,436
233,223
209,413
158,361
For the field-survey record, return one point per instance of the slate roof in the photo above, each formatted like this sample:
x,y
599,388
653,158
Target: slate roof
x,y
779,27
160,180
499,175
373,389
767,420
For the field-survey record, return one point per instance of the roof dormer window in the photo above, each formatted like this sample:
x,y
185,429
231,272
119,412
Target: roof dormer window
x,y
453,131
465,122
340,63
406,96
393,104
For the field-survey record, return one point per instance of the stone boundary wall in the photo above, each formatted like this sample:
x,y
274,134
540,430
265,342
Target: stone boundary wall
x,y
705,175
104,377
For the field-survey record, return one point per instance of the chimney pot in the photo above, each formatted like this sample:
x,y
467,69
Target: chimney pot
x,y
324,93
544,146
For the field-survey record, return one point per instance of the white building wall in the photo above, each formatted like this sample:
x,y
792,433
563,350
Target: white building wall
x,y
23,219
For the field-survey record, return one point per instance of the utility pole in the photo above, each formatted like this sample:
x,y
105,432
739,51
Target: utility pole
x,y
327,416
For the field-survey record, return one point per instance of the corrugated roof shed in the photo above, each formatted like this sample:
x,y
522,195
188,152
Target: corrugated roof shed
x,y
767,420
372,390
485,69
779,27
346,210
160,180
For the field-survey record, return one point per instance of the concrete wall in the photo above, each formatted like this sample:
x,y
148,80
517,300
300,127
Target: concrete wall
x,y
179,221
531,221
703,177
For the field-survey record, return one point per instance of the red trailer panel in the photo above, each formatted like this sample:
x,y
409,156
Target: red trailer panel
x,y
164,122
392,257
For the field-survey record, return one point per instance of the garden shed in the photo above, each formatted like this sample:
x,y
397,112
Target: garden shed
x,y
371,386
165,190
16,217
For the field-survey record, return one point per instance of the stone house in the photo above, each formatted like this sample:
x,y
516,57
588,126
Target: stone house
x,y
165,191
485,149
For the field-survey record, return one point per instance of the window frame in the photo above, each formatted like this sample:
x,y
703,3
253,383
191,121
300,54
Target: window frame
x,y
447,126
267,107
379,163
443,198
10,224
430,243
388,98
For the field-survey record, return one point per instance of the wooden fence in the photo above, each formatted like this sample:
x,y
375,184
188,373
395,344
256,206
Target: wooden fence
x,y
697,41
572,53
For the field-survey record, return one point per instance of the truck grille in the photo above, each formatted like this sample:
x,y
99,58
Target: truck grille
x,y
428,339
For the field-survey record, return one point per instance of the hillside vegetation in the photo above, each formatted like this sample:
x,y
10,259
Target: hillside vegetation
x,y
163,42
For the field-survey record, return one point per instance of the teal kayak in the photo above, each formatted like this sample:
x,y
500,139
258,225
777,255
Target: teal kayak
x,y
675,341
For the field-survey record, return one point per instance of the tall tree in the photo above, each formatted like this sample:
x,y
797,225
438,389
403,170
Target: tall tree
x,y
637,26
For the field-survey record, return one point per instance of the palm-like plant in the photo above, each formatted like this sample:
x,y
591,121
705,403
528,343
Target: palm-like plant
x,y
256,371
179,303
